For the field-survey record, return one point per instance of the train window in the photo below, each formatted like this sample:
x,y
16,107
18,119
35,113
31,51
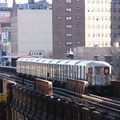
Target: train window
x,y
90,70
106,70
80,72
97,70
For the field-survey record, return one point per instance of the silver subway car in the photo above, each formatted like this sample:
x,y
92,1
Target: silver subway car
x,y
96,73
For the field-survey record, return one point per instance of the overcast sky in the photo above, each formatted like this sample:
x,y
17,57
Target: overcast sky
x,y
23,1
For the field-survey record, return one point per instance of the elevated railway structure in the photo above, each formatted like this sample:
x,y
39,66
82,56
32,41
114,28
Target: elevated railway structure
x,y
38,100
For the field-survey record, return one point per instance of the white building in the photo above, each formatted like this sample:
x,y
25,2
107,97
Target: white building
x,y
31,30
98,23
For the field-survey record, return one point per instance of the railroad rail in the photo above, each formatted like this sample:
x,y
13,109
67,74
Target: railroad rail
x,y
66,93
109,105
30,104
102,105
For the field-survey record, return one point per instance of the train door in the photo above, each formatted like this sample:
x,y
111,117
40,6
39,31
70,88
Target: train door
x,y
62,76
56,71
59,72
65,72
51,69
106,76
70,71
98,75
81,72
89,76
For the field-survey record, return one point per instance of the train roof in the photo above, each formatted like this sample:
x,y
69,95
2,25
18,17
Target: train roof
x,y
54,61
22,59
73,62
32,59
63,62
40,60
47,61
66,62
93,63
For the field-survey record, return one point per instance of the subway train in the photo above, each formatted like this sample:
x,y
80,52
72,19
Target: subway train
x,y
96,73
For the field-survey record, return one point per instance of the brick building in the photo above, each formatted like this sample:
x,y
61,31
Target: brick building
x,y
80,23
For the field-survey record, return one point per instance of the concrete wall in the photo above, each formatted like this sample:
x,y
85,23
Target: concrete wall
x,y
90,53
32,31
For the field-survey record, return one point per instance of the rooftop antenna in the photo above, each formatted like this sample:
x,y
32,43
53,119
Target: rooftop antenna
x,y
70,54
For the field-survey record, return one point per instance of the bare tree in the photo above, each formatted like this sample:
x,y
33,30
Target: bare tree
x,y
115,54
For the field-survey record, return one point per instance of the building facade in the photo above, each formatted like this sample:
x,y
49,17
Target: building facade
x,y
80,23
5,26
115,23
32,5
31,30
68,26
94,53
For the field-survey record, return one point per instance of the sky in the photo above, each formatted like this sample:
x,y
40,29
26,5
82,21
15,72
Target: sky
x,y
23,1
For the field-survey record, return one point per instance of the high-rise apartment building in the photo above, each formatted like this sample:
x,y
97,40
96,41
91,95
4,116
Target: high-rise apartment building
x,y
115,23
80,23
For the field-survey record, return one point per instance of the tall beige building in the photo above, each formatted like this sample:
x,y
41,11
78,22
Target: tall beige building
x,y
31,30
98,23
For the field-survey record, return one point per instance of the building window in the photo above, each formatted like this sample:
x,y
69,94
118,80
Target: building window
x,y
78,17
68,26
88,26
97,1
78,42
97,26
78,25
88,43
68,43
58,9
119,10
114,1
77,8
88,17
88,34
59,43
59,17
97,34
59,34
68,1
114,9
93,17
118,18
118,34
118,26
93,34
59,51
68,35
118,1
96,58
114,34
97,18
58,26
114,18
108,59
68,9
114,26
68,18
88,1
77,34
97,9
